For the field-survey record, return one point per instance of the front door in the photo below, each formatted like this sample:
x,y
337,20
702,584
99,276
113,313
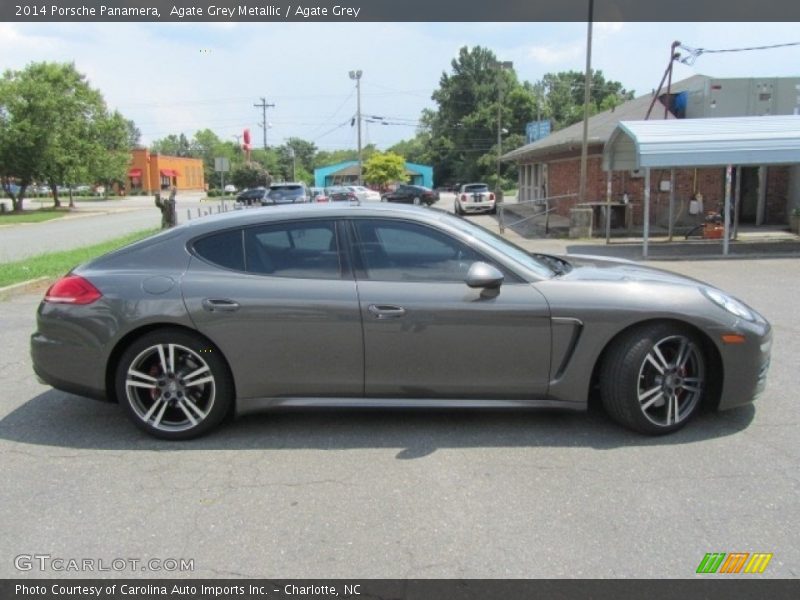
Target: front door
x,y
428,335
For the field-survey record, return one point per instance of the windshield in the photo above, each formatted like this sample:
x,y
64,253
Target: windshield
x,y
512,251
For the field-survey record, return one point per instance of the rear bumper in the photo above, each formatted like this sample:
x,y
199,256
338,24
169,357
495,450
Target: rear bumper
x,y
67,367
477,206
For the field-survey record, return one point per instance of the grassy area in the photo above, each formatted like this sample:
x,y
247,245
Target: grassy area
x,y
33,216
54,264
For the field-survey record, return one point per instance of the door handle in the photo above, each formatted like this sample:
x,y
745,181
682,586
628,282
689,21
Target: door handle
x,y
220,304
386,311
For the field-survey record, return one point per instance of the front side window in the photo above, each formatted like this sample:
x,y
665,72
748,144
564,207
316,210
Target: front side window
x,y
306,249
403,251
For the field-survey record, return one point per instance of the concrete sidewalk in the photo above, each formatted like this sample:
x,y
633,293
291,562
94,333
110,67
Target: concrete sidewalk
x,y
530,234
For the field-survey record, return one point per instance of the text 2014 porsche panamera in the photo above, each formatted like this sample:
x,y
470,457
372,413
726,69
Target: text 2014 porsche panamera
x,y
386,305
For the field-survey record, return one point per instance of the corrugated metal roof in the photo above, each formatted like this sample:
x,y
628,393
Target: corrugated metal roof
x,y
704,142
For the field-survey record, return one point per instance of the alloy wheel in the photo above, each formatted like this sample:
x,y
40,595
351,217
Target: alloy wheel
x,y
170,387
671,380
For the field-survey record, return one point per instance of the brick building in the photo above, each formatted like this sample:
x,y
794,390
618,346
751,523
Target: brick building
x,y
550,167
151,173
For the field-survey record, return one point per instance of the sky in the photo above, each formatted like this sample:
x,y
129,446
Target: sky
x,y
175,78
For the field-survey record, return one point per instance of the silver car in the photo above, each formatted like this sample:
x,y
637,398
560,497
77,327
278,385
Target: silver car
x,y
243,311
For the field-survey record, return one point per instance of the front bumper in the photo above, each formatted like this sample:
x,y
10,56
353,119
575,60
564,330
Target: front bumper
x,y
745,365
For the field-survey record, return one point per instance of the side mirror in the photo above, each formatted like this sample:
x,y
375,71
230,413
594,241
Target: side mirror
x,y
482,275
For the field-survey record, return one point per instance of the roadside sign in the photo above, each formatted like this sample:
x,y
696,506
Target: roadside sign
x,y
536,130
222,164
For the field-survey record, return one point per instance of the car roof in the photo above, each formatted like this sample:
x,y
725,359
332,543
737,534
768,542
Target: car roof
x,y
253,216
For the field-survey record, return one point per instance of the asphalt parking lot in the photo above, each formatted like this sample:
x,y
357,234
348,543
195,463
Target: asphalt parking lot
x,y
407,493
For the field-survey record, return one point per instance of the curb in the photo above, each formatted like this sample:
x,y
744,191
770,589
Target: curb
x,y
22,284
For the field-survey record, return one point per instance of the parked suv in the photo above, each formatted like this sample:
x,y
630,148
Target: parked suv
x,y
287,193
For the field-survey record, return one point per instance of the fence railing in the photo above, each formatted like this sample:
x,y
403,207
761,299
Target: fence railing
x,y
544,202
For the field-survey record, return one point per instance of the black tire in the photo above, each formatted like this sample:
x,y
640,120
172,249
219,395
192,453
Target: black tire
x,y
493,211
168,405
652,379
457,208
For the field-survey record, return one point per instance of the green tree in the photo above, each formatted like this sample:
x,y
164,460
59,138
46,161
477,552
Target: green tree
x,y
383,168
134,134
564,93
174,145
51,128
461,134
250,176
109,164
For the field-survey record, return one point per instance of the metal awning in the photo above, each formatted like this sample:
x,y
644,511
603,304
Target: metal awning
x,y
725,142
135,173
703,143
169,172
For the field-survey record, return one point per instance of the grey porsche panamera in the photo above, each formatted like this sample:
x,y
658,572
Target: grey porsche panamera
x,y
386,305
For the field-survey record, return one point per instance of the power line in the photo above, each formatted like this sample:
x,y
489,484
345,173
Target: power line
x,y
695,53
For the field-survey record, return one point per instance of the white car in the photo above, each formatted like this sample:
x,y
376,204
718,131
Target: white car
x,y
475,197
364,194
230,189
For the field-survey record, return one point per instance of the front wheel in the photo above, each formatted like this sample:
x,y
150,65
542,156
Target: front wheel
x,y
653,379
173,385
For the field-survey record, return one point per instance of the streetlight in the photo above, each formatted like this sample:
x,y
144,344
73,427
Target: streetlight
x,y
357,76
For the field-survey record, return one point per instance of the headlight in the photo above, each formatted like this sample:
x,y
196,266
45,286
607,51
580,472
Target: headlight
x,y
732,305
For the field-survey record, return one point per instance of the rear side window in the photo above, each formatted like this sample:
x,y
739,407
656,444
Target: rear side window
x,y
306,250
223,249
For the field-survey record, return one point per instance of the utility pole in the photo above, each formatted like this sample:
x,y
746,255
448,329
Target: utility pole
x,y
264,106
357,76
500,66
586,98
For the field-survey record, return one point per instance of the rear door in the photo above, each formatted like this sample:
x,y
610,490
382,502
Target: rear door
x,y
281,303
428,335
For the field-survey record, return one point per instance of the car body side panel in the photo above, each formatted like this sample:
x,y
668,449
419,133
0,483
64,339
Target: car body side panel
x,y
609,307
72,343
456,342
290,337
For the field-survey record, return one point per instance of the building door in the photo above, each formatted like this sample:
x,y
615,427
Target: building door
x,y
749,196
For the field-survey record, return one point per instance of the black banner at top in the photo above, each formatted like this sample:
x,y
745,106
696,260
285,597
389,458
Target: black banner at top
x,y
398,10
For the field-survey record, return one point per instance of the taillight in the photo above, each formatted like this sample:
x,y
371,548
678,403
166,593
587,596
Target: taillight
x,y
463,197
72,289
491,196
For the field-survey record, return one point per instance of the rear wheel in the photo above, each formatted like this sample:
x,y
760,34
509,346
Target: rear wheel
x,y
653,378
173,384
457,208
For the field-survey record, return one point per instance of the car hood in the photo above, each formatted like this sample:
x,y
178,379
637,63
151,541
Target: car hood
x,y
596,268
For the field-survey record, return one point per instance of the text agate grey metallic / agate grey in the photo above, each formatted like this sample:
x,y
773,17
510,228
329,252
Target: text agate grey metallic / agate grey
x,y
357,305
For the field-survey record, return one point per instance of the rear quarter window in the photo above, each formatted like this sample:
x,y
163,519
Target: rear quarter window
x,y
223,249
